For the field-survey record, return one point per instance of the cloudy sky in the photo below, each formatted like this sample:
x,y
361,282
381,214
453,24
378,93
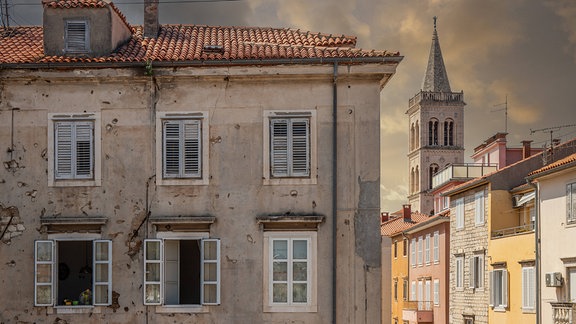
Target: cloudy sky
x,y
522,49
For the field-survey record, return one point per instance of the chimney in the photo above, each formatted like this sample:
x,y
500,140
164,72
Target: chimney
x,y
151,24
384,217
526,149
407,212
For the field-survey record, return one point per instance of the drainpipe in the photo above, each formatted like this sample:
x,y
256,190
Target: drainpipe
x,y
537,243
334,183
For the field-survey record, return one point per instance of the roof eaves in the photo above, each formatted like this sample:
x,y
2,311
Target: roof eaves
x,y
427,224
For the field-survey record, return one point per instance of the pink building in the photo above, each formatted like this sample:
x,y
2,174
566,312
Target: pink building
x,y
494,150
428,271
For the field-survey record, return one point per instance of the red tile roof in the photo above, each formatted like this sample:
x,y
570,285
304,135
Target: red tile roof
x,y
551,166
399,224
188,42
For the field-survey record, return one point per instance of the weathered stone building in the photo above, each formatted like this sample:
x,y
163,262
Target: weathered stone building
x,y
212,174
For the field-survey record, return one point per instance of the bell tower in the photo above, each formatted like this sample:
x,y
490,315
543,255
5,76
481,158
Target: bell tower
x,y
436,129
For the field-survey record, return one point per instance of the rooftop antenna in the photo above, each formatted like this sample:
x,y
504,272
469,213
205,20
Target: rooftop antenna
x,y
4,13
551,131
505,103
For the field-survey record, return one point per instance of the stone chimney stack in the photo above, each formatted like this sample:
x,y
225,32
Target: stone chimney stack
x,y
151,24
407,212
384,217
526,149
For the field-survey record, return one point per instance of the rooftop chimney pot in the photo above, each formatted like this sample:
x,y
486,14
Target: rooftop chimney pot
x,y
384,217
407,212
526,149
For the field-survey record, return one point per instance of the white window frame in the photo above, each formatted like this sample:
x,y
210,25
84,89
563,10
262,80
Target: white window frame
x,y
571,203
436,292
80,41
420,248
427,294
420,294
436,247
479,208
503,274
413,291
476,271
299,178
52,261
199,118
311,304
427,249
459,265
529,289
56,179
161,307
459,203
413,252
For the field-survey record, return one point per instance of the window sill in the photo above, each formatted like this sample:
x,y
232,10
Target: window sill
x,y
181,309
528,311
75,183
500,309
183,182
79,309
290,309
289,181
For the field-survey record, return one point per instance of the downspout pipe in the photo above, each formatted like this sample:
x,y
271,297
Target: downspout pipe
x,y
334,183
537,248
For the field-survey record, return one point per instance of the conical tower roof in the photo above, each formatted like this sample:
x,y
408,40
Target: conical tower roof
x,y
436,78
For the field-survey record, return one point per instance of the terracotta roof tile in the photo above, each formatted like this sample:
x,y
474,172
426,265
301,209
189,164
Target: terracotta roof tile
x,y
399,224
564,161
187,43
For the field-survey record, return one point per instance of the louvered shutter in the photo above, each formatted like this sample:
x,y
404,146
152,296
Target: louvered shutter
x,y
300,147
76,36
472,271
84,150
492,288
171,149
192,148
504,288
279,147
63,149
479,210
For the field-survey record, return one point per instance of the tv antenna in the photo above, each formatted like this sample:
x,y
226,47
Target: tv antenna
x,y
550,130
505,104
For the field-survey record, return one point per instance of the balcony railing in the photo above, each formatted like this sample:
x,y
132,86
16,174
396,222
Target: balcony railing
x,y
461,171
445,97
418,312
510,231
563,313
418,305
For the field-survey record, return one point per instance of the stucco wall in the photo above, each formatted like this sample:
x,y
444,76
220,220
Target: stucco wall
x,y
235,99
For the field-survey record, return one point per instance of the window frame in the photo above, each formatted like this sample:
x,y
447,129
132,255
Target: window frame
x,y
459,271
53,276
195,117
476,271
72,180
161,306
268,177
571,203
503,273
83,45
311,305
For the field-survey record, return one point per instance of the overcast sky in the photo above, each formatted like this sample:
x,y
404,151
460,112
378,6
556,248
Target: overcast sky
x,y
523,49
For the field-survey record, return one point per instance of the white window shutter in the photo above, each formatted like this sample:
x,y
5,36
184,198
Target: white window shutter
x,y
413,252
279,147
210,272
479,210
44,273
102,273
300,147
153,271
84,149
525,288
171,154
491,282
63,149
504,288
436,246
472,272
192,148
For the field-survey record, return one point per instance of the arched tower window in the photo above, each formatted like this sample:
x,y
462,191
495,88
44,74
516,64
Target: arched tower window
x,y
417,180
448,132
433,132
411,188
417,137
433,170
412,137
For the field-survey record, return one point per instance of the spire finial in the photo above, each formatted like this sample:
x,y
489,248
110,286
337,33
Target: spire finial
x,y
435,22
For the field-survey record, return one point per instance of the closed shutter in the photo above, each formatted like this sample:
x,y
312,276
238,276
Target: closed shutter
x,y
491,281
504,288
436,246
153,272
77,36
290,147
192,148
479,210
460,213
63,149
74,149
44,273
102,252
84,149
182,148
472,270
210,272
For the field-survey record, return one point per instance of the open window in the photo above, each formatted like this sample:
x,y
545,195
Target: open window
x,y
182,271
73,273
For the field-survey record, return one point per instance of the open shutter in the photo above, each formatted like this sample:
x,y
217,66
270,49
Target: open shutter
x,y
491,282
44,273
84,149
210,272
63,149
505,288
279,147
153,270
300,147
472,272
102,252
192,148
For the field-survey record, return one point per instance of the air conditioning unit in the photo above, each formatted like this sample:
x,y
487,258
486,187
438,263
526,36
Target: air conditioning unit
x,y
554,279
